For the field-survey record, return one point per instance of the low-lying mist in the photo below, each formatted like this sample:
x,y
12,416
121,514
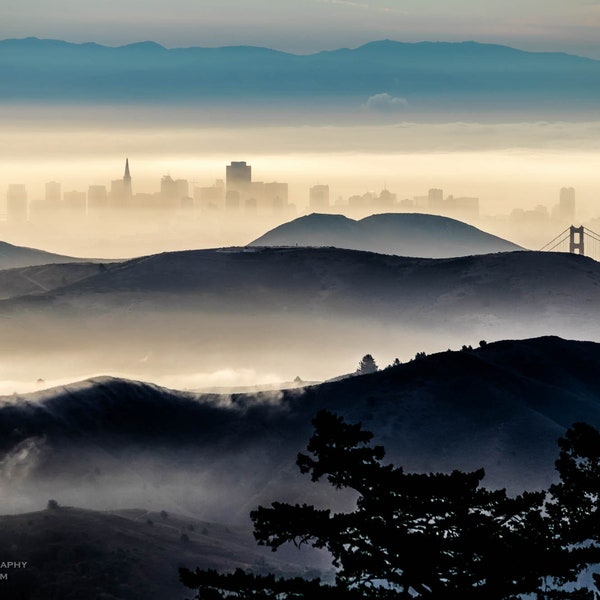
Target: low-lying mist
x,y
202,351
228,319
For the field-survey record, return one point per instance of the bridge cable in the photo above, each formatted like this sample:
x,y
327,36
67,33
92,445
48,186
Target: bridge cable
x,y
567,231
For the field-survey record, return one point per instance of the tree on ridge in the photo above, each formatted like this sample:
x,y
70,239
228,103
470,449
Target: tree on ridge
x,y
367,365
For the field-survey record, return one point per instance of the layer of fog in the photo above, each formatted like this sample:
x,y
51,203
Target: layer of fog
x,y
226,479
506,165
225,380
206,351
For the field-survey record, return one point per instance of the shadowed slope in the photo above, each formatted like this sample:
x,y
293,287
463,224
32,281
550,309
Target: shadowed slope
x,y
40,279
129,554
313,280
18,256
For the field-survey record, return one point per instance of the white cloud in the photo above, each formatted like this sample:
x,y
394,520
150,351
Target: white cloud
x,y
385,103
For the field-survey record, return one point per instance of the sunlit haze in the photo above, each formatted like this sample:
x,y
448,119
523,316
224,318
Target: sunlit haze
x,y
508,166
219,218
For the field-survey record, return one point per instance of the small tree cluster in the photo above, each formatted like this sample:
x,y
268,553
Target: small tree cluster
x,y
434,536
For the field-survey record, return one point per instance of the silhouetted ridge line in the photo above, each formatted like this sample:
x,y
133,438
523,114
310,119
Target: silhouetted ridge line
x,y
468,76
19,256
551,376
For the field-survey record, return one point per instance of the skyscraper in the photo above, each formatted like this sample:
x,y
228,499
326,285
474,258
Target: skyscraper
x,y
319,196
120,189
435,199
16,203
238,176
566,206
53,194
127,181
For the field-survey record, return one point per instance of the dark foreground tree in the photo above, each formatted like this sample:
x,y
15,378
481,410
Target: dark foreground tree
x,y
437,536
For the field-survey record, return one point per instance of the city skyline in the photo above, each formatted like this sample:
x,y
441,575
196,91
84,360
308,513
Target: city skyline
x,y
237,195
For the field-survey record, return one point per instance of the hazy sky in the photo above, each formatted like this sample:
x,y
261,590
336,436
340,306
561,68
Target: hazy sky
x,y
309,25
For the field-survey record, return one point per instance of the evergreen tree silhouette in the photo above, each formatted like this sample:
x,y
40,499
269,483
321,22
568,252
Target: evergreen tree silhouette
x,y
435,536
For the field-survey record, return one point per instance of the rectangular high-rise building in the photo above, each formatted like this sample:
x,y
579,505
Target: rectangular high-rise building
x,y
53,194
16,203
566,205
276,195
318,197
210,198
238,176
173,192
97,198
435,199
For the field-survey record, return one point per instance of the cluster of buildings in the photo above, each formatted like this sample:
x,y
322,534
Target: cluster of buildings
x,y
238,193
564,211
434,202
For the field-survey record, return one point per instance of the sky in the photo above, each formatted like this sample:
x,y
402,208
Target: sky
x,y
304,26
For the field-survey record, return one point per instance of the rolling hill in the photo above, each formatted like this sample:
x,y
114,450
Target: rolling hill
x,y
107,441
12,257
405,234
276,312
319,281
192,459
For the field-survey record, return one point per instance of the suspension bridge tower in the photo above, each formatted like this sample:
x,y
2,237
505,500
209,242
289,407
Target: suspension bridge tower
x,y
576,240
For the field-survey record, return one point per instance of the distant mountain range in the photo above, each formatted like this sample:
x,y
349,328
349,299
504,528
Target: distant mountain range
x,y
405,234
501,406
426,75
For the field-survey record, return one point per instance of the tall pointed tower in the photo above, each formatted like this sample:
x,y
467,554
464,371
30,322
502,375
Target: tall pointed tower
x,y
127,181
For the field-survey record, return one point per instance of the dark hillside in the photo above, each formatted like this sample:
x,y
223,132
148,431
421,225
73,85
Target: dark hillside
x,y
502,406
76,554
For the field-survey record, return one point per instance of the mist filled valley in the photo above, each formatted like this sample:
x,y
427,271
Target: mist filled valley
x,y
203,248
243,316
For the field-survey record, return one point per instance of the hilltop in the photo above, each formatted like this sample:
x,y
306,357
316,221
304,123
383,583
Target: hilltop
x,y
404,234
